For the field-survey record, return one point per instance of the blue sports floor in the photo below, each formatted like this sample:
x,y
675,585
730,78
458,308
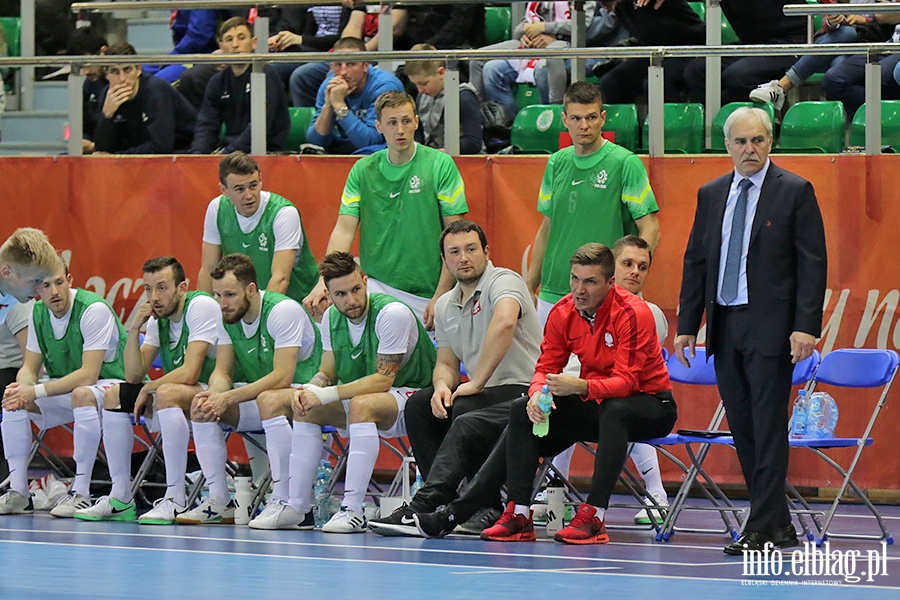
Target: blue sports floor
x,y
43,557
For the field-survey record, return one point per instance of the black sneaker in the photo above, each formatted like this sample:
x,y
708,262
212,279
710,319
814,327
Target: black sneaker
x,y
436,524
398,523
483,519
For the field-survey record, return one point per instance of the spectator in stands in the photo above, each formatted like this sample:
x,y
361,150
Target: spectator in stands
x,y
89,41
428,77
444,26
227,101
488,323
546,25
345,106
304,29
363,24
141,114
847,81
761,22
673,23
427,184
836,29
193,32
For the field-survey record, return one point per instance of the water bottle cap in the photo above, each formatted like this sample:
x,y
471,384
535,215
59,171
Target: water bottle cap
x,y
545,390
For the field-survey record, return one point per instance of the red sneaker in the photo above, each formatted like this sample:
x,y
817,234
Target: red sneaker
x,y
585,528
511,527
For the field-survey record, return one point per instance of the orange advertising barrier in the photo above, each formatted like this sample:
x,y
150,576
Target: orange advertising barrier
x,y
109,214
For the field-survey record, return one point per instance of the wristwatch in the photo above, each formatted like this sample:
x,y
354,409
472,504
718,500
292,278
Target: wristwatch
x,y
342,112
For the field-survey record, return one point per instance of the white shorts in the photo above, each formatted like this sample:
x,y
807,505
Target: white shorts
x,y
398,429
416,303
57,410
543,311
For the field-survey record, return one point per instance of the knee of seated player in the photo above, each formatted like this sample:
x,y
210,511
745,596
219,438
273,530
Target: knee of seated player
x,y
198,415
110,399
275,403
175,395
380,409
82,397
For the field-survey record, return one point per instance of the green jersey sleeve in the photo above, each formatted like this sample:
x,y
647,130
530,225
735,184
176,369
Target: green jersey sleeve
x,y
451,191
350,197
545,196
637,195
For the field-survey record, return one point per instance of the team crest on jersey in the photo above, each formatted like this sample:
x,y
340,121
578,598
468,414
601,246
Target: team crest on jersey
x,y
263,242
476,308
600,179
414,184
608,339
265,344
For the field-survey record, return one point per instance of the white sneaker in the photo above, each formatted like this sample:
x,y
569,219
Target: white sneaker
x,y
769,92
643,516
164,512
209,512
108,508
68,504
278,514
345,521
14,503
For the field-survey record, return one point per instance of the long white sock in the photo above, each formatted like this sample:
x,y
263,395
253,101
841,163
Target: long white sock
x,y
522,509
360,463
278,445
562,461
86,444
209,440
176,434
16,428
601,512
647,463
306,451
118,439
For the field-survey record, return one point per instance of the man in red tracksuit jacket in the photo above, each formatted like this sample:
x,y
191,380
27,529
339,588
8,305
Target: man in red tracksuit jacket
x,y
622,395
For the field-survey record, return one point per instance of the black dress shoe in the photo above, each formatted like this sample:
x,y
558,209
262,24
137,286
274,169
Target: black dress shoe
x,y
785,537
749,540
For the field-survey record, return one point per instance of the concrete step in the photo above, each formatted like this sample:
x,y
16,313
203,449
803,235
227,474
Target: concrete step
x,y
31,149
150,34
52,96
39,126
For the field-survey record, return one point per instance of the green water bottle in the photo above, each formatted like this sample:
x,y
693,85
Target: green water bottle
x,y
545,403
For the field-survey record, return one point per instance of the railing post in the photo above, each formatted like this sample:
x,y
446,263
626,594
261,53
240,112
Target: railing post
x,y
258,90
713,66
579,35
873,103
28,49
655,102
76,101
451,108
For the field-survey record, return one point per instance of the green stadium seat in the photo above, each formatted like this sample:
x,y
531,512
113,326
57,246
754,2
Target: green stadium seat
x,y
717,139
699,8
301,118
497,24
813,127
817,19
684,128
728,34
536,129
622,120
12,27
890,125
527,94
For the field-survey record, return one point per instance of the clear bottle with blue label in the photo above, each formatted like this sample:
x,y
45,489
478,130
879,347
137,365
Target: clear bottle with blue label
x,y
545,403
799,416
320,491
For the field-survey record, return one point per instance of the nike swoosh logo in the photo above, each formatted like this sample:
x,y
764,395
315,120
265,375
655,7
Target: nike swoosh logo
x,y
407,520
394,195
251,350
647,471
178,360
117,511
245,245
355,354
577,182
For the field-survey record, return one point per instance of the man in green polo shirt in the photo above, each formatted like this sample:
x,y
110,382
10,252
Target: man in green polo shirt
x,y
266,342
592,191
400,199
80,342
181,330
376,355
263,225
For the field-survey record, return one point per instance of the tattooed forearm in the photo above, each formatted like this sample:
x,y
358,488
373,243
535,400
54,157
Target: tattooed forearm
x,y
388,364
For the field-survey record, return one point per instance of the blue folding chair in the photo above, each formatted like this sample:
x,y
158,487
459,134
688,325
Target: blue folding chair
x,y
851,368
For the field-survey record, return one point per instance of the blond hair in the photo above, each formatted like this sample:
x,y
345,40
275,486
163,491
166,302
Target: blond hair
x,y
423,68
28,247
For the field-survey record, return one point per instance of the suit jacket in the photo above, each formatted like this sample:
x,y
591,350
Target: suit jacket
x,y
786,262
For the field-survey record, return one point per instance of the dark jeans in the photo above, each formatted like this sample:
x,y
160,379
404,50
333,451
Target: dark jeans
x,y
740,76
847,82
450,450
612,423
628,80
7,376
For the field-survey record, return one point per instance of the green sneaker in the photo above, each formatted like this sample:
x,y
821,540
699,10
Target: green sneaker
x,y
108,508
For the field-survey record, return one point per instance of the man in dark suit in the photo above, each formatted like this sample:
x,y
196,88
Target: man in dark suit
x,y
756,264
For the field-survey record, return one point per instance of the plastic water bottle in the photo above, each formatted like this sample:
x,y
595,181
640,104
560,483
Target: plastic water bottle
x,y
320,490
243,498
417,485
556,506
821,417
799,417
545,403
